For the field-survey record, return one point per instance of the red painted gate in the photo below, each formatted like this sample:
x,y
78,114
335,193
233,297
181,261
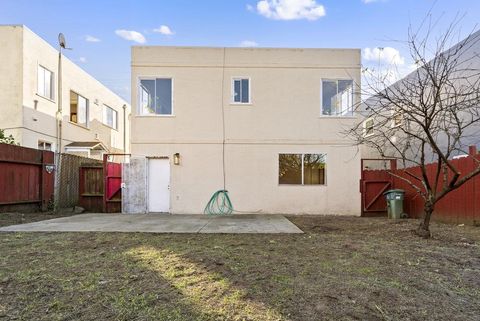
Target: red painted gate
x,y
373,183
101,186
112,196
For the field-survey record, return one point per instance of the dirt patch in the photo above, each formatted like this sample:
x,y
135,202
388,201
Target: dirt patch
x,y
23,218
343,268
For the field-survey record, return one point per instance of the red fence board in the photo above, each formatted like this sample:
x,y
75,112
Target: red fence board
x,y
459,206
113,180
24,178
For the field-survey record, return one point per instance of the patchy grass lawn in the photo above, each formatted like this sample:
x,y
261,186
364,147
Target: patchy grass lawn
x,y
343,268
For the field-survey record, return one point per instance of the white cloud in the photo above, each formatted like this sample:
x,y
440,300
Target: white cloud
x,y
82,59
386,55
89,38
164,30
248,43
250,7
372,1
290,9
131,35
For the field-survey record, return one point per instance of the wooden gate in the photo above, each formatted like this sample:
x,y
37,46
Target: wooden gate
x,y
112,198
373,183
101,186
91,188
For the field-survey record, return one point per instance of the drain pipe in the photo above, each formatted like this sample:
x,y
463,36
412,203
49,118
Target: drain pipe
x,y
124,128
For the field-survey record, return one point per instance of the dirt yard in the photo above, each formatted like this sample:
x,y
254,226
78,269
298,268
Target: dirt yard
x,y
341,269
22,218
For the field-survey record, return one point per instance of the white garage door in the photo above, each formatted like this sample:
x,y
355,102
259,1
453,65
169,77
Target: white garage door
x,y
158,185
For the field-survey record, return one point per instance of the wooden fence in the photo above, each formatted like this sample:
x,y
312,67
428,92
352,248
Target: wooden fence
x,y
91,186
70,178
100,186
459,206
26,178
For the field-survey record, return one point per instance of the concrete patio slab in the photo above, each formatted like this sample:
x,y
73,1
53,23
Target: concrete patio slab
x,y
161,223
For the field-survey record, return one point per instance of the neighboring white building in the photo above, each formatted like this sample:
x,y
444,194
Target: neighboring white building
x,y
266,121
94,119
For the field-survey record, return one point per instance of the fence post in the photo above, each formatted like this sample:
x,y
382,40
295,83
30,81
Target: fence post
x,y
105,181
472,150
393,164
46,180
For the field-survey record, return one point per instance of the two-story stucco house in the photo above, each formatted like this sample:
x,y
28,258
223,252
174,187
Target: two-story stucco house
x,y
94,119
264,123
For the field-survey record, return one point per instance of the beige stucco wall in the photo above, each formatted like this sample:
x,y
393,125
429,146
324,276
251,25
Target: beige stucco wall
x,y
11,80
37,114
283,117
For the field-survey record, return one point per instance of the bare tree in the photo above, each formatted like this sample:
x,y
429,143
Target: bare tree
x,y
429,116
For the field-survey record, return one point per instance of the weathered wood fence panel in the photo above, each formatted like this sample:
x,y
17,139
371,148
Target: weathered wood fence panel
x,y
91,188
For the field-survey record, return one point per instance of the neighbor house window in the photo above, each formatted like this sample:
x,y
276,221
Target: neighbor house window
x,y
110,116
368,127
337,97
241,90
44,145
155,96
45,83
78,109
302,169
397,117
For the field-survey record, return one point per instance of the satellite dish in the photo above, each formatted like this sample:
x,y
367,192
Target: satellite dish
x,y
62,41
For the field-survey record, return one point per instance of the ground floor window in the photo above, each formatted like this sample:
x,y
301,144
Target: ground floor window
x,y
302,169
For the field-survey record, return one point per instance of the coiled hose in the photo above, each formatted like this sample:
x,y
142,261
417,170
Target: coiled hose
x,y
219,204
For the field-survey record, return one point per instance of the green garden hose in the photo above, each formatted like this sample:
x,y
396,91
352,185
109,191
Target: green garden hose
x,y
219,204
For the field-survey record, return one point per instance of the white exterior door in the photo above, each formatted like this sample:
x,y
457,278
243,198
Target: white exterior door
x,y
158,185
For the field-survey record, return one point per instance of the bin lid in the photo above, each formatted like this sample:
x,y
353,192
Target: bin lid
x,y
400,191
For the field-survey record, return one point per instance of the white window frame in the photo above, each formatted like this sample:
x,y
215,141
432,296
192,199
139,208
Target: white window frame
x,y
139,103
396,112
365,127
232,90
351,115
303,169
43,142
52,85
87,116
105,107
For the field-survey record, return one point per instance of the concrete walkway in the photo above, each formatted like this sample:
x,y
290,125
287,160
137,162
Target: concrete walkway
x,y
161,223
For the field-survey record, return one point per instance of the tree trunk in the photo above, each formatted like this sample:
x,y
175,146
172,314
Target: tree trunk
x,y
423,229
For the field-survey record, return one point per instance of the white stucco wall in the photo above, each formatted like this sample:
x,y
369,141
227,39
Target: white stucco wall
x,y
11,80
283,117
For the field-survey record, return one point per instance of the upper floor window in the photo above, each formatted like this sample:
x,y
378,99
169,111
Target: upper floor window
x,y
45,83
78,109
302,169
44,145
110,116
241,90
368,126
397,117
155,96
337,97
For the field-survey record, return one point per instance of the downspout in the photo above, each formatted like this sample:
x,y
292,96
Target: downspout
x,y
124,128
59,134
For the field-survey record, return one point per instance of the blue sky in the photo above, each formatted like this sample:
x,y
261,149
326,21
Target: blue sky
x,y
268,23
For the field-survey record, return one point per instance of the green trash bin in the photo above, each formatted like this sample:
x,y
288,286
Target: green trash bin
x,y
395,203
